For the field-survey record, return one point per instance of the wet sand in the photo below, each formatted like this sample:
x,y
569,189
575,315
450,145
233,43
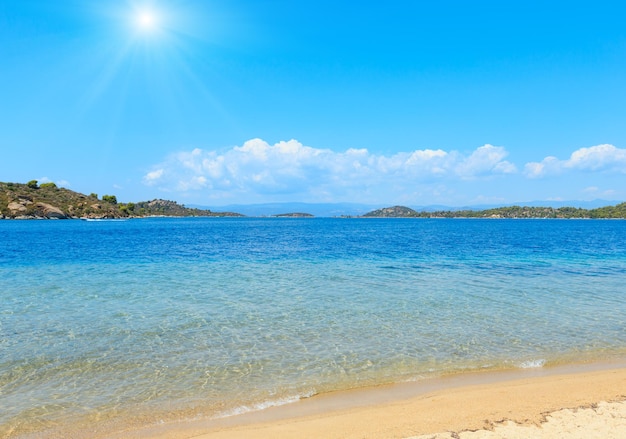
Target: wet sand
x,y
575,401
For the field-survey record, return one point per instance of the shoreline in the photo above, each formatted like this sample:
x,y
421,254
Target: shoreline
x,y
435,407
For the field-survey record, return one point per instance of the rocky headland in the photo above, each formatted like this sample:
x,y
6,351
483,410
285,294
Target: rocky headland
x,y
47,201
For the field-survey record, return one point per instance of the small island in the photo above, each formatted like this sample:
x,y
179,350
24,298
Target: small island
x,y
294,215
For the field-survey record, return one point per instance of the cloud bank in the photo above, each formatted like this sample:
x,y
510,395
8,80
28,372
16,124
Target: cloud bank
x,y
289,170
601,158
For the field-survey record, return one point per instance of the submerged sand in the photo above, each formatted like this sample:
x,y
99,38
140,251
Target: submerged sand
x,y
552,404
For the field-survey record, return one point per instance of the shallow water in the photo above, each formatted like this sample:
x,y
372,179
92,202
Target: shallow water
x,y
155,319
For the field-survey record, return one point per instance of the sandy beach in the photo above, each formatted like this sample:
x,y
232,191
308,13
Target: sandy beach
x,y
557,403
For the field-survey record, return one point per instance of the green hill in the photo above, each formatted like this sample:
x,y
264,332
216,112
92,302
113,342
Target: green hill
x,y
618,212
32,201
393,212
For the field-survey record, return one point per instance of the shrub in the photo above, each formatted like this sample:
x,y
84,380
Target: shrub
x,y
110,199
32,184
127,209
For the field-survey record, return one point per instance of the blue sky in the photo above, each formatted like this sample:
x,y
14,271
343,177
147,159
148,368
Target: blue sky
x,y
253,101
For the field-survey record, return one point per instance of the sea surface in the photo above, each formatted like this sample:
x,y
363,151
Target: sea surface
x,y
143,321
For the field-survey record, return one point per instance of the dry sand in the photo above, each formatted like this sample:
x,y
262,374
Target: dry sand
x,y
558,404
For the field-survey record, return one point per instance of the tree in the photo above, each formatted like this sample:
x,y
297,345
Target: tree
x,y
110,199
32,184
127,208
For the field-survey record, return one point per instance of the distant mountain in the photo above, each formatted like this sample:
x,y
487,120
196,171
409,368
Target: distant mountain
x,y
593,204
315,209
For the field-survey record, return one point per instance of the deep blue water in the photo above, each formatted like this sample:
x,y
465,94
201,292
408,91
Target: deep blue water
x,y
206,317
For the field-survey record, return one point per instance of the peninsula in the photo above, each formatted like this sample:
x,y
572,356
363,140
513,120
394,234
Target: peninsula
x,y
47,201
617,212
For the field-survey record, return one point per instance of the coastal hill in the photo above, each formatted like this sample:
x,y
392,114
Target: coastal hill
x,y
47,201
617,211
393,212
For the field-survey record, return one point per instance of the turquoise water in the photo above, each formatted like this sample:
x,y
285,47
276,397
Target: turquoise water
x,y
147,320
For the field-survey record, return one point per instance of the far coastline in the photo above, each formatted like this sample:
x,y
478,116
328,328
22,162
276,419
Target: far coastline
x,y
47,201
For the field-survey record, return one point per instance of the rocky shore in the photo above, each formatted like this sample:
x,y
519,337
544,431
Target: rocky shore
x,y
47,201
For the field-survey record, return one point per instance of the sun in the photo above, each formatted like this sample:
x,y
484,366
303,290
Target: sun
x,y
147,20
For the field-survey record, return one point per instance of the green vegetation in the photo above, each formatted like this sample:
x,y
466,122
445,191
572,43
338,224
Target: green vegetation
x,y
32,200
618,211
393,212
110,199
128,208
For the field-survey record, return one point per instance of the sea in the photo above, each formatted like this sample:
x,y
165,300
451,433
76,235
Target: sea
x,y
155,320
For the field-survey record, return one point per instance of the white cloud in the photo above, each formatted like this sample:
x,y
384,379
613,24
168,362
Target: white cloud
x,y
600,157
549,165
605,157
153,177
59,183
486,160
597,192
296,171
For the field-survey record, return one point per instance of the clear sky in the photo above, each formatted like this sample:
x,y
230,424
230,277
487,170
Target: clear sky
x,y
215,102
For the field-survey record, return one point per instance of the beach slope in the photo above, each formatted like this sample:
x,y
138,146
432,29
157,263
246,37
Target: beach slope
x,y
583,404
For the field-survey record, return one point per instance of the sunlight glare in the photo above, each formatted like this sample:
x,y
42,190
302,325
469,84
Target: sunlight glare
x,y
146,20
